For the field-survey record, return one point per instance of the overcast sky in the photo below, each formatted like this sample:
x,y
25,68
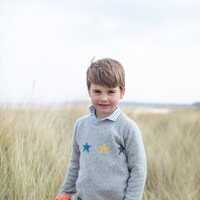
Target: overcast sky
x,y
46,47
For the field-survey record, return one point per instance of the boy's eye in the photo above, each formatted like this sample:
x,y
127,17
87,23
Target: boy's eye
x,y
111,91
96,91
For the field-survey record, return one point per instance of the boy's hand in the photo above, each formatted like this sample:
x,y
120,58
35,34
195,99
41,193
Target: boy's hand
x,y
63,197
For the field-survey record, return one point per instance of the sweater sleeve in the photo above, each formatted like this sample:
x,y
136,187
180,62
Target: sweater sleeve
x,y
137,164
69,184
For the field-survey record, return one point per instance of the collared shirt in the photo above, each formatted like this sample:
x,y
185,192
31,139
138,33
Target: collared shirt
x,y
112,117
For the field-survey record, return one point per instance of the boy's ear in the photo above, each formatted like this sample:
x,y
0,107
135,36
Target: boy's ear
x,y
89,92
122,92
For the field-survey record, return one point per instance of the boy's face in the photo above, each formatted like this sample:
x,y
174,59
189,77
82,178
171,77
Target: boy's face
x,y
105,99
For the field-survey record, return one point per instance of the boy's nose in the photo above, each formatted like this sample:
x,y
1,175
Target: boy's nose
x,y
103,98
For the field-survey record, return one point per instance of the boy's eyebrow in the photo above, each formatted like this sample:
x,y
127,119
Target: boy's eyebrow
x,y
112,89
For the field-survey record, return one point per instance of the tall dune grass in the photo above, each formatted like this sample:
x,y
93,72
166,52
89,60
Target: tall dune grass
x,y
35,149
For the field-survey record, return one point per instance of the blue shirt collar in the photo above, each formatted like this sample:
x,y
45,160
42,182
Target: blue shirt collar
x,y
112,117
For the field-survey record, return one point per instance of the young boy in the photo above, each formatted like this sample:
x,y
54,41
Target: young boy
x,y
108,160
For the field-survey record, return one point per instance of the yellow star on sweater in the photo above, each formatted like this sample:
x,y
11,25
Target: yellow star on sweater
x,y
103,148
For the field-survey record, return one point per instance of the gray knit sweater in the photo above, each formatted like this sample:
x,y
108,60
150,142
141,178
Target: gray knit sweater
x,y
108,160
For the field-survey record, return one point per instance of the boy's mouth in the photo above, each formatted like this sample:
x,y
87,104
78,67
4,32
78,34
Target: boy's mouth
x,y
103,105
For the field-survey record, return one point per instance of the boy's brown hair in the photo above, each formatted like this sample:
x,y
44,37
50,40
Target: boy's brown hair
x,y
106,72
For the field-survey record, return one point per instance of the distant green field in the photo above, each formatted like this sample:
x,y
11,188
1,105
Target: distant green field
x,y
35,149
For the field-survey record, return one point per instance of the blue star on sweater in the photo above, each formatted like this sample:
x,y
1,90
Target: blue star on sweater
x,y
121,149
86,147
